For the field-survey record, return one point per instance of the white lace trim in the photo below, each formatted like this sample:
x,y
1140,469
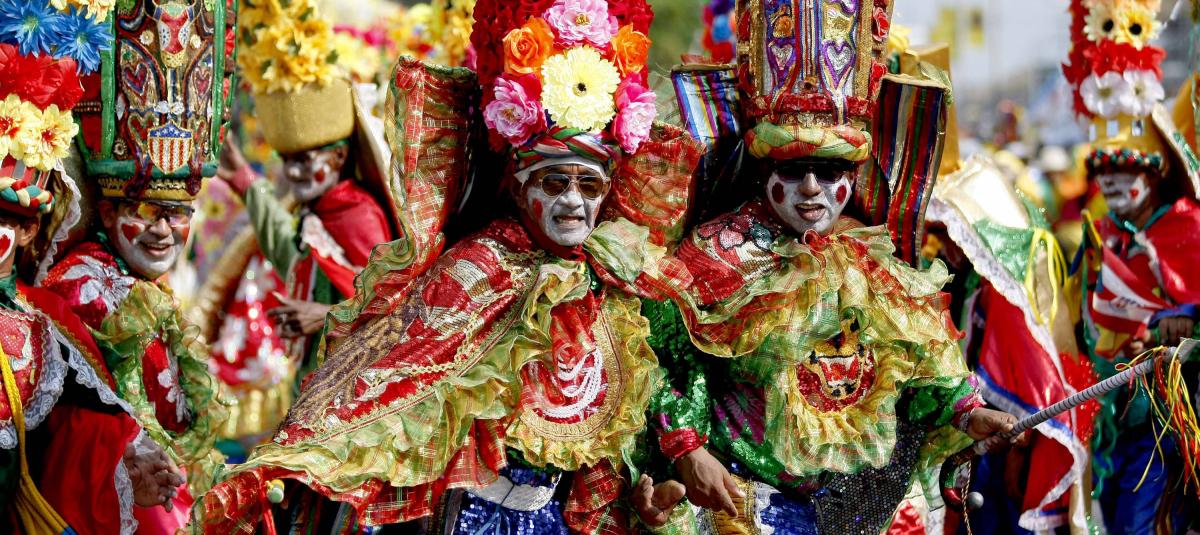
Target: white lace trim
x,y
986,264
85,375
44,397
313,233
124,488
74,214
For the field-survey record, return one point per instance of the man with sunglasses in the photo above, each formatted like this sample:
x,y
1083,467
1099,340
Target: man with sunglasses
x,y
816,377
500,385
145,164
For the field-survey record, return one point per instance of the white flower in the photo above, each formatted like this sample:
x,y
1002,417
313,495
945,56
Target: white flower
x,y
100,281
1147,92
1107,96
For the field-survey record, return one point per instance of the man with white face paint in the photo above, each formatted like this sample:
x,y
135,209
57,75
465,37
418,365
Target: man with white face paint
x,y
146,165
506,379
321,245
1144,284
810,367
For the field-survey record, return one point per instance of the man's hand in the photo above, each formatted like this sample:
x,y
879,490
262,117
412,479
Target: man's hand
x,y
708,483
1171,330
233,169
985,423
154,476
654,503
297,318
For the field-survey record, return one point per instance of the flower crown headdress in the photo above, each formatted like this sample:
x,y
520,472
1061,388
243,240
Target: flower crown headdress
x,y
565,78
1116,76
44,46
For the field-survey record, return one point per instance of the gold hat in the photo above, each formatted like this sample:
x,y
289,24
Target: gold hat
x,y
289,61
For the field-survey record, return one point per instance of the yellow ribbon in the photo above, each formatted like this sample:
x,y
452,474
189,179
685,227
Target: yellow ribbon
x,y
1056,271
36,515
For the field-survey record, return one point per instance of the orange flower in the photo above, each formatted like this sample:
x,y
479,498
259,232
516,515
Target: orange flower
x,y
527,47
630,50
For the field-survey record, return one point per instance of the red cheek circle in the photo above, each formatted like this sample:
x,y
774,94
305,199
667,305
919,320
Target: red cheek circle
x,y
5,243
777,193
186,232
131,231
842,191
538,209
1134,193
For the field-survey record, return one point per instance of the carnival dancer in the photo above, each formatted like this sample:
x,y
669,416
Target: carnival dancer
x,y
501,385
1020,339
71,456
315,240
1143,254
151,123
816,376
308,116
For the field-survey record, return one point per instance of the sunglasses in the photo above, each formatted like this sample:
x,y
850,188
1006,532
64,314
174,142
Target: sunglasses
x,y
590,186
825,173
176,215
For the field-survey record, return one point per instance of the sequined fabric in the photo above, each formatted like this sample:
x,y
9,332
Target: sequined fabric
x,y
477,516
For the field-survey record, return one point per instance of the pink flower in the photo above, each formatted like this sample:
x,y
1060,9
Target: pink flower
x,y
516,113
635,116
577,21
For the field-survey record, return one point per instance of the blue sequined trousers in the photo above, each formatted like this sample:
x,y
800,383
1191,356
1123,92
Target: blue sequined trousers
x,y
481,517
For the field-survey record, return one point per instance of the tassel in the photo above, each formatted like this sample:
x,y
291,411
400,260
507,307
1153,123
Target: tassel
x,y
1172,407
36,516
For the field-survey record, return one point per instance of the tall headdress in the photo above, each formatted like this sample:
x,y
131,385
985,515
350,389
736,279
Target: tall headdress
x,y
1117,78
811,82
302,99
810,72
564,78
43,51
152,114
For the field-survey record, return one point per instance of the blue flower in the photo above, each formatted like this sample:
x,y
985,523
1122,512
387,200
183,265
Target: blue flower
x,y
31,25
83,39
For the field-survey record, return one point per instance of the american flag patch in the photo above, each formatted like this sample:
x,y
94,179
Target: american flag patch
x,y
170,146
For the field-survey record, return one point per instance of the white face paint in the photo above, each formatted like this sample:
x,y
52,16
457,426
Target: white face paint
x,y
809,202
149,249
311,177
1125,193
8,242
568,218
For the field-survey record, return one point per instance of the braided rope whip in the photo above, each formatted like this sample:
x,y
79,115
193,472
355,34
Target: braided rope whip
x,y
1126,376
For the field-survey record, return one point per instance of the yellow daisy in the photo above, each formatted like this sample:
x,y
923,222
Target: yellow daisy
x,y
16,116
578,89
1140,25
50,141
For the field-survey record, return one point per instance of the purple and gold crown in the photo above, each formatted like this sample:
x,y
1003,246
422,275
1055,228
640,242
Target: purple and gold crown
x,y
809,74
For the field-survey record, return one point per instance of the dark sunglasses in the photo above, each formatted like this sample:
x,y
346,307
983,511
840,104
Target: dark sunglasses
x,y
590,186
827,173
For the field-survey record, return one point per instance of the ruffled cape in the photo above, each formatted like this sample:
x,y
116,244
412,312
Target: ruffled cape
x,y
770,299
428,395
